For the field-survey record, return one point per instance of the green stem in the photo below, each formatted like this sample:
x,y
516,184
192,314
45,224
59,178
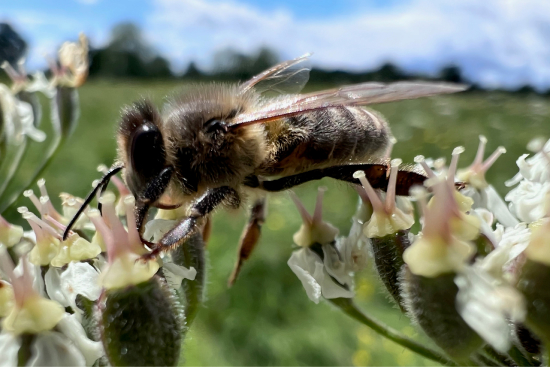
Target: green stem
x,y
519,357
50,155
14,166
504,360
349,308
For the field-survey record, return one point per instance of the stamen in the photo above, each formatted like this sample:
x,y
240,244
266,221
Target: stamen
x,y
133,234
377,204
22,209
480,150
49,208
491,160
454,163
45,226
120,235
306,217
422,161
30,194
62,227
39,233
106,233
390,193
318,213
439,164
421,196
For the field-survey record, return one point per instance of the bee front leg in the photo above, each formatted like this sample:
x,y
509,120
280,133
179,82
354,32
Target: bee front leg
x,y
250,236
190,225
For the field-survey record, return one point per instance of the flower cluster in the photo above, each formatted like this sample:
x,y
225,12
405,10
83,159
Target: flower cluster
x,y
469,277
89,297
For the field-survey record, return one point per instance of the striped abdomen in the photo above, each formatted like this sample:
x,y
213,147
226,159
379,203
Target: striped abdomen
x,y
324,138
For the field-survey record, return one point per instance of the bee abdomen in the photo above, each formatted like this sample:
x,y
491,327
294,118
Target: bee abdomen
x,y
328,137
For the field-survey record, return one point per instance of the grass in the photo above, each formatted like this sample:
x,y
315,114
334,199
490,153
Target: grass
x,y
266,318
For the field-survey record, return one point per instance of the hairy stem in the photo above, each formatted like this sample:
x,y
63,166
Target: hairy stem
x,y
350,309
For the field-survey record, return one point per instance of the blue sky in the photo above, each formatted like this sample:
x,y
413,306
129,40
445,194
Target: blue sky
x,y
497,43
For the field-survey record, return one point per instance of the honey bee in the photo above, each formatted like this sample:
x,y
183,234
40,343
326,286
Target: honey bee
x,y
216,142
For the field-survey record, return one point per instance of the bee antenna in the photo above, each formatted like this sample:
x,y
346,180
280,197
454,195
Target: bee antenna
x,y
101,185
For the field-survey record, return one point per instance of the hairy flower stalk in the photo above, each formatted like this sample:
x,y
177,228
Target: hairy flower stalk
x,y
325,271
433,260
140,316
388,230
534,278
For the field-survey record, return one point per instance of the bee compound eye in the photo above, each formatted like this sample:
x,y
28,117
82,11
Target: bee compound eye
x,y
146,152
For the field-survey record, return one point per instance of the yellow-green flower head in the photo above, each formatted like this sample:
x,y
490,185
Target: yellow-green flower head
x,y
539,244
6,298
386,218
47,239
10,234
73,57
475,174
31,313
124,247
439,250
313,229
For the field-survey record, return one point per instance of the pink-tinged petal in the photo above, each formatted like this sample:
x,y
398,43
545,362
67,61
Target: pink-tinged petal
x,y
306,217
376,203
419,159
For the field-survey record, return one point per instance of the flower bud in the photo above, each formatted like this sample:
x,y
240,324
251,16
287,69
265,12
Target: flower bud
x,y
431,303
141,325
65,110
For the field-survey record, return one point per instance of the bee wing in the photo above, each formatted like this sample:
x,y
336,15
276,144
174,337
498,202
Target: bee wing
x,y
352,95
284,78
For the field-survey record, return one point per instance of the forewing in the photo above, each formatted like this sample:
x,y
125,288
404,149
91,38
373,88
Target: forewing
x,y
352,95
288,77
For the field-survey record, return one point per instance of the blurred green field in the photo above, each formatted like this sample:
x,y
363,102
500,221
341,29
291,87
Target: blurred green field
x,y
266,318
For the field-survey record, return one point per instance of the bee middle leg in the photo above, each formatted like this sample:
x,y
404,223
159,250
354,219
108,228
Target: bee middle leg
x,y
250,236
377,174
190,225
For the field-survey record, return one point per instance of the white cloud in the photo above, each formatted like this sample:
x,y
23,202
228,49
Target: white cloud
x,y
497,43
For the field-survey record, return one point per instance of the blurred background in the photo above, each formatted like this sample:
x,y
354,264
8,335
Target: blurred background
x,y
152,47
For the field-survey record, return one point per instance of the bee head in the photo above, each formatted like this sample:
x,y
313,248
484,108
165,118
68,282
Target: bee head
x,y
200,143
141,148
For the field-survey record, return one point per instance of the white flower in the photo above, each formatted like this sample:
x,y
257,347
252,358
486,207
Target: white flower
x,y
74,57
311,271
386,218
508,254
536,168
124,248
328,277
64,285
18,118
487,304
175,274
73,330
528,200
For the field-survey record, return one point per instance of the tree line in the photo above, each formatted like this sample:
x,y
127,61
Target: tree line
x,y
128,55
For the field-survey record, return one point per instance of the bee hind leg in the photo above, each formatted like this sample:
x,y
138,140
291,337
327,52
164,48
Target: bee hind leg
x,y
249,237
191,225
376,173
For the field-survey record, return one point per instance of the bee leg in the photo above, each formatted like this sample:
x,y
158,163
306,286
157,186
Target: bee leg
x,y
376,174
249,237
190,225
